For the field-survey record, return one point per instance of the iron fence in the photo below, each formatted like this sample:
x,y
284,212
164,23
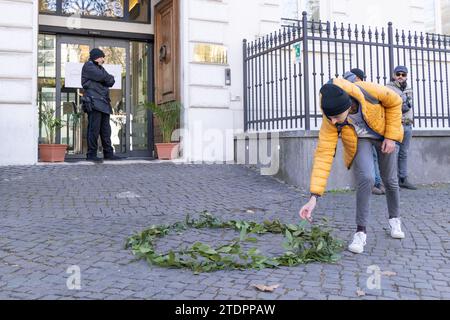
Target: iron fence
x,y
281,86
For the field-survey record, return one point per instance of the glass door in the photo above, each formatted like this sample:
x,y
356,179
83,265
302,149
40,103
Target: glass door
x,y
117,54
71,54
131,134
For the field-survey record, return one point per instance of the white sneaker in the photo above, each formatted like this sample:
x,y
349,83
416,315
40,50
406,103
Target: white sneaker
x,y
359,241
396,228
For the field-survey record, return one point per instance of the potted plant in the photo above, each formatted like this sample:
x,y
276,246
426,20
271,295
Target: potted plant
x,y
168,115
50,151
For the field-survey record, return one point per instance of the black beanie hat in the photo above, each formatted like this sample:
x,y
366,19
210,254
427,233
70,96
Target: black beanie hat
x,y
95,54
334,100
359,73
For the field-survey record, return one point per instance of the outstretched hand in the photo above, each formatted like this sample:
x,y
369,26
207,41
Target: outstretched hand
x,y
305,212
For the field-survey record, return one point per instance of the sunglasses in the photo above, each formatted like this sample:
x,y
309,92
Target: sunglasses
x,y
401,74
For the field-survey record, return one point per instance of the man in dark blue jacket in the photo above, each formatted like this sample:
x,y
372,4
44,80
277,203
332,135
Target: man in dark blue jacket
x,y
96,83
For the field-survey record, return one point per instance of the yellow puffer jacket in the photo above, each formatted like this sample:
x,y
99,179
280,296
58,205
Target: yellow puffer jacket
x,y
382,111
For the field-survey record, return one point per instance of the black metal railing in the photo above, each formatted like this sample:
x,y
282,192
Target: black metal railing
x,y
281,88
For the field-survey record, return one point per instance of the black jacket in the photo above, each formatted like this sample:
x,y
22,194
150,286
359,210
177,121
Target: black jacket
x,y
96,83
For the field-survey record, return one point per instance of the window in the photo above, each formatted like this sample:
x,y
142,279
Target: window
x,y
429,15
122,10
47,5
101,8
445,16
139,10
46,77
313,9
210,53
139,95
292,9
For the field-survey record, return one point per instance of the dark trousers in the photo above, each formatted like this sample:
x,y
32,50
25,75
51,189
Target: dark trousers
x,y
98,124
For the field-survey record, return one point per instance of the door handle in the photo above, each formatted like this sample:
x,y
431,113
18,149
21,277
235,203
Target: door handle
x,y
163,53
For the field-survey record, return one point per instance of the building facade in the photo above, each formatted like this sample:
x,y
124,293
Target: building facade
x,y
186,50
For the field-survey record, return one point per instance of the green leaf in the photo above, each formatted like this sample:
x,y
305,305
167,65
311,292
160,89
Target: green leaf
x,y
243,234
297,233
210,251
320,246
288,235
225,249
253,251
145,249
287,245
171,257
271,262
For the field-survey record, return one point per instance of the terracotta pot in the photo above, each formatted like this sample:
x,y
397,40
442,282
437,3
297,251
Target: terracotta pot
x,y
52,152
167,151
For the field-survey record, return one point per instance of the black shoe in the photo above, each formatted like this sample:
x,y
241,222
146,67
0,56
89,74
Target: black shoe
x,y
114,158
404,183
94,159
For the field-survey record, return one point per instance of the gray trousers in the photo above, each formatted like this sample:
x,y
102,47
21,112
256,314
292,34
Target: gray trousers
x,y
403,151
363,167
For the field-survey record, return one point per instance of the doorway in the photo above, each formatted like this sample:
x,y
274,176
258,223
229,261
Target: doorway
x,y
131,123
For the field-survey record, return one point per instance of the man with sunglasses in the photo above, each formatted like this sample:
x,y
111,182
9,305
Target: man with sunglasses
x,y
400,86
365,114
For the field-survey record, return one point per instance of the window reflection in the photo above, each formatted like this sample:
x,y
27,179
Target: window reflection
x,y
118,120
445,14
75,122
139,95
103,8
47,5
46,77
138,10
210,53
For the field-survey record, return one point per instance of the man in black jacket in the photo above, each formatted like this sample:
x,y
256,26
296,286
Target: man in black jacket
x,y
96,83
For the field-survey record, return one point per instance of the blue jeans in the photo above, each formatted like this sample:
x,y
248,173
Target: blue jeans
x,y
376,167
403,152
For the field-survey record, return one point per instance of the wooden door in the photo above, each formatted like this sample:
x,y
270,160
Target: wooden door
x,y
167,51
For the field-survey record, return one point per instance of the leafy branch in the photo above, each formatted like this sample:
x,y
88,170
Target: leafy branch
x,y
302,245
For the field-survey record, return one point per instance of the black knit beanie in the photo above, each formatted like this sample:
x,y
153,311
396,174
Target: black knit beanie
x,y
334,100
359,73
96,53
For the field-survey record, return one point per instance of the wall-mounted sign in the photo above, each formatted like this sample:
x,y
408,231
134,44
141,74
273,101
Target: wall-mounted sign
x,y
73,74
297,53
210,53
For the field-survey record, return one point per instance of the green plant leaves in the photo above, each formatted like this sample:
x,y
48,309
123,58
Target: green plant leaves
x,y
302,245
48,119
168,115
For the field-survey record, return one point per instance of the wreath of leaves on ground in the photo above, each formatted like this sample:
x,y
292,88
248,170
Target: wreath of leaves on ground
x,y
302,245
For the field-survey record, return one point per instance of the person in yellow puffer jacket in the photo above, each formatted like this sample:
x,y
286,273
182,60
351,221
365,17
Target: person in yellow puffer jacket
x,y
364,114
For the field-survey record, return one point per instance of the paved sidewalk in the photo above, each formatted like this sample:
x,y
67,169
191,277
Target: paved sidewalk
x,y
56,216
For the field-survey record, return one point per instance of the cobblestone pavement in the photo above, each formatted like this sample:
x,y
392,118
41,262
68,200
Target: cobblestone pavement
x,y
56,216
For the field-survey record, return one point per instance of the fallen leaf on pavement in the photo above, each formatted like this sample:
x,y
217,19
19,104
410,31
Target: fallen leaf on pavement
x,y
388,273
360,293
265,288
